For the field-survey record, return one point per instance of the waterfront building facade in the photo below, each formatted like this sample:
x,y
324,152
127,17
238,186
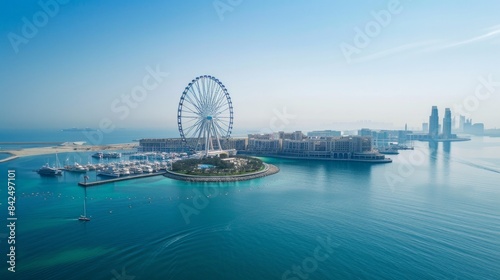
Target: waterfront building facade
x,y
293,145
425,127
461,122
297,135
324,133
176,145
356,148
264,146
434,123
167,145
447,124
384,138
476,128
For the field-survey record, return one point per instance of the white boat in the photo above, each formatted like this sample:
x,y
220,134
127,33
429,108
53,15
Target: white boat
x,y
156,166
146,169
100,166
109,172
124,172
84,217
76,167
90,166
136,170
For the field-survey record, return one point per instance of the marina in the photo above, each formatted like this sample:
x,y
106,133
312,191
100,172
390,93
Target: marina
x,y
111,169
115,171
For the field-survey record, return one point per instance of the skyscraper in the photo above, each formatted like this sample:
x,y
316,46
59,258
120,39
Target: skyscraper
x,y
461,123
434,123
447,123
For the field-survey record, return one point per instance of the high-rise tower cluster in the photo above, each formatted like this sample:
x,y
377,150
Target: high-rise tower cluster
x,y
434,123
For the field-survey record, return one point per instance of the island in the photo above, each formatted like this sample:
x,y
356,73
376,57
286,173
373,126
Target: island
x,y
220,169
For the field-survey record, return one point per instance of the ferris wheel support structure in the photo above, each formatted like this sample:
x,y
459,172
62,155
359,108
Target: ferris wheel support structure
x,y
205,114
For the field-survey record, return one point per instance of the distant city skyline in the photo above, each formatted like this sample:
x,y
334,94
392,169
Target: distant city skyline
x,y
288,66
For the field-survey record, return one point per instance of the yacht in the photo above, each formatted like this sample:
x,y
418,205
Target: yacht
x,y
124,171
388,151
136,170
109,172
76,167
97,155
107,155
46,170
147,169
112,155
90,166
84,218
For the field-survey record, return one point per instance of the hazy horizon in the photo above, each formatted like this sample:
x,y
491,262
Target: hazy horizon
x,y
295,66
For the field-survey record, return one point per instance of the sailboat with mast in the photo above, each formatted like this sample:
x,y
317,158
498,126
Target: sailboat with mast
x,y
84,217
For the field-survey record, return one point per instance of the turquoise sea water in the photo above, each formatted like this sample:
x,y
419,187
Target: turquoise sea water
x,y
431,214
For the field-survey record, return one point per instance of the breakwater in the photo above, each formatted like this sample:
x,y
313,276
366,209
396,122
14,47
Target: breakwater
x,y
113,180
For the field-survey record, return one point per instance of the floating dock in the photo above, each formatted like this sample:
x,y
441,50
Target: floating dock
x,y
124,178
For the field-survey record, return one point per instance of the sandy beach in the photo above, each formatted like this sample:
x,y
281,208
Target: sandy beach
x,y
64,149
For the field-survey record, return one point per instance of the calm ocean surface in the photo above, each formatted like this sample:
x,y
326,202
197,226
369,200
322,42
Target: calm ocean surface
x,y
431,214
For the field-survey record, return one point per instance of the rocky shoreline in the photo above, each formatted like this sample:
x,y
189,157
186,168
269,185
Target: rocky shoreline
x,y
268,170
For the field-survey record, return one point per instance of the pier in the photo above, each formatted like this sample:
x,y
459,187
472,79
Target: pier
x,y
119,179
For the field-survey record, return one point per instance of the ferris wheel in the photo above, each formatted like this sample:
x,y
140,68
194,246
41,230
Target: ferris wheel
x,y
205,114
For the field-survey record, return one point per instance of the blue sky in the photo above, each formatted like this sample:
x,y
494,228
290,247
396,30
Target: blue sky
x,y
273,57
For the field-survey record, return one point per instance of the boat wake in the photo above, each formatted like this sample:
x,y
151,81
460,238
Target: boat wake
x,y
172,241
168,241
483,166
165,244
